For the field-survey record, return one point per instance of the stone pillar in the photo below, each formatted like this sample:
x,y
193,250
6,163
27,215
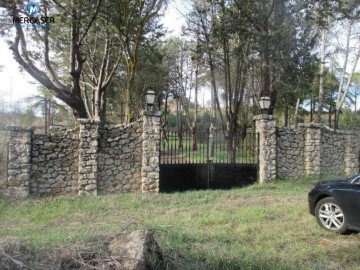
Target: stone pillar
x,y
312,150
265,127
150,169
351,153
19,165
88,156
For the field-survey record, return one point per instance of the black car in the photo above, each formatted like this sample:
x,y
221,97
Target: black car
x,y
336,204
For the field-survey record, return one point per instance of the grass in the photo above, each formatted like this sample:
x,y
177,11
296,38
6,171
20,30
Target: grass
x,y
259,227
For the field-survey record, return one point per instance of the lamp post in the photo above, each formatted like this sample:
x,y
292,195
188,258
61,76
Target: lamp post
x,y
150,99
265,102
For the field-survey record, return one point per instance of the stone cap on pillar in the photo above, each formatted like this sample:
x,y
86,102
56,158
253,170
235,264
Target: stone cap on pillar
x,y
264,117
326,128
151,114
20,128
311,125
88,121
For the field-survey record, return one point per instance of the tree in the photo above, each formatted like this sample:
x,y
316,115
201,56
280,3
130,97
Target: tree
x,y
253,49
346,79
134,20
324,16
327,15
77,59
150,72
44,72
183,60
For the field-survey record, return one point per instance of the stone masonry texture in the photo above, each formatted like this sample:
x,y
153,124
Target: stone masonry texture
x,y
54,162
119,164
19,165
265,127
87,160
310,150
91,160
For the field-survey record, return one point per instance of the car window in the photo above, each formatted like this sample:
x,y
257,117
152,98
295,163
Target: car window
x,y
356,180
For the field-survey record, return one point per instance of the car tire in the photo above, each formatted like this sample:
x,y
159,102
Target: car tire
x,y
331,216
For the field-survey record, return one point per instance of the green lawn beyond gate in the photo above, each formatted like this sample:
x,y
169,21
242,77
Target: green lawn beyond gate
x,y
259,227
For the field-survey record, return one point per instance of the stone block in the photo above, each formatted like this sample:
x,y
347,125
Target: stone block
x,y
147,169
91,187
13,165
24,159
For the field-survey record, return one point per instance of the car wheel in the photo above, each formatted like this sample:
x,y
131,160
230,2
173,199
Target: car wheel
x,y
330,215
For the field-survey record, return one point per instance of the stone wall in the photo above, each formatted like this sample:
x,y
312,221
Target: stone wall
x,y
265,127
54,162
88,156
351,153
120,152
125,158
311,150
19,166
4,138
290,153
332,152
150,171
87,160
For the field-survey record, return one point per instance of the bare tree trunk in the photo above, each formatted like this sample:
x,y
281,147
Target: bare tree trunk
x,y
297,112
323,34
286,116
179,126
213,112
127,109
312,109
232,141
194,139
46,115
343,94
102,113
180,138
194,124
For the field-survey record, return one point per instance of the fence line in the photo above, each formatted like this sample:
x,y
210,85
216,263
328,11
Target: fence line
x,y
185,147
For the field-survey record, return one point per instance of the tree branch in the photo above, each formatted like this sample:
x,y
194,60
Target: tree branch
x,y
84,34
49,69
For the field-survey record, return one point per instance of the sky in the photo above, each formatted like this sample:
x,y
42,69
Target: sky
x,y
16,85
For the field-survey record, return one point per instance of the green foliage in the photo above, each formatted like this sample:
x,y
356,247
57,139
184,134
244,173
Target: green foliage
x,y
29,118
349,120
150,73
331,85
170,121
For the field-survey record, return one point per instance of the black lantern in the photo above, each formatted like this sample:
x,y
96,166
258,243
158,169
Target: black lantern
x,y
265,102
150,99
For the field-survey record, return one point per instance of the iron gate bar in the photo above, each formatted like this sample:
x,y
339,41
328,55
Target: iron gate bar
x,y
184,169
176,148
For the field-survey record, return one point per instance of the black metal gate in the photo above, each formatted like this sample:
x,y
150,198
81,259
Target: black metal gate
x,y
204,160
